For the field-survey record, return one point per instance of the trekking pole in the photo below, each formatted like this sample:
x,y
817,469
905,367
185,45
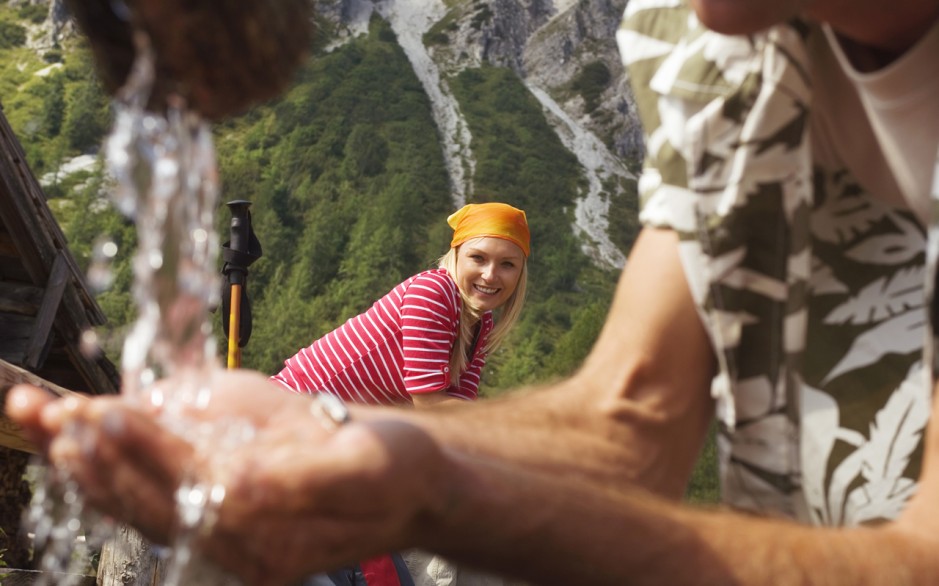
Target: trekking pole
x,y
242,249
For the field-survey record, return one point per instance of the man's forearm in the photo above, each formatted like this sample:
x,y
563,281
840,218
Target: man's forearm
x,y
570,428
522,429
565,530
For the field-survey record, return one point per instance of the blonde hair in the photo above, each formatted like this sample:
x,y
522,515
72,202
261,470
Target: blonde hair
x,y
470,316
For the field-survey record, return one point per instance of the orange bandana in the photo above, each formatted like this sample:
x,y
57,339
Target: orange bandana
x,y
497,220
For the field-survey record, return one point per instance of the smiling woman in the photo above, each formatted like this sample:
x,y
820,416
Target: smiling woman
x,y
426,341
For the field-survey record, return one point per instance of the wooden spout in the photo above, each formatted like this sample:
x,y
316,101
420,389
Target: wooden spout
x,y
221,56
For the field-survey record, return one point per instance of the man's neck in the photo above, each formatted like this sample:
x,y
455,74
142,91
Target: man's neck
x,y
875,32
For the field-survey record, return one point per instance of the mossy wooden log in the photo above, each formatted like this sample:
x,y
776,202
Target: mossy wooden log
x,y
221,56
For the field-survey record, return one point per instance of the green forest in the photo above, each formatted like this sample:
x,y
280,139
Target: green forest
x,y
349,194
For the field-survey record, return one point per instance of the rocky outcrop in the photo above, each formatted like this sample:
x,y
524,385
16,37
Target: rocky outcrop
x,y
498,31
565,52
558,58
549,43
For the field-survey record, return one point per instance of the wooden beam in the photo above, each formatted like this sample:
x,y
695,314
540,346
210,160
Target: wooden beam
x,y
10,433
38,345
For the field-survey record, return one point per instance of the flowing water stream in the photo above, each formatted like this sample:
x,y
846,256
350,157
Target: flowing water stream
x,y
164,173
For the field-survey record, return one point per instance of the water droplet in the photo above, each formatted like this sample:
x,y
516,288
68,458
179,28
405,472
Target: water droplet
x,y
147,377
89,344
155,260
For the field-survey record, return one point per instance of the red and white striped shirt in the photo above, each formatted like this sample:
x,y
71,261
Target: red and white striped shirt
x,y
400,346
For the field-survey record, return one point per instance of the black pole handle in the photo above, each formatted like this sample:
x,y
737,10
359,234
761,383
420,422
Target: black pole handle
x,y
241,250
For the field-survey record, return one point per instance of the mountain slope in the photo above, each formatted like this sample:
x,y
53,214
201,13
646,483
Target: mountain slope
x,y
353,171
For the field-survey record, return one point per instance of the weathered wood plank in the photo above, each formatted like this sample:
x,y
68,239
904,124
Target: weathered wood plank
x,y
38,345
11,435
129,559
10,375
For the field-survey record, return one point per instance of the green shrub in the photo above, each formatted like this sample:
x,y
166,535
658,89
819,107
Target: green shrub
x,y
53,56
11,35
34,13
87,115
482,17
592,81
436,38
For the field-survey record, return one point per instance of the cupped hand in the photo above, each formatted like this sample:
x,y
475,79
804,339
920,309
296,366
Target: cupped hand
x,y
299,497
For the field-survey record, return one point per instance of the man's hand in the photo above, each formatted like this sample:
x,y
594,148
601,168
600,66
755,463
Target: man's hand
x,y
299,497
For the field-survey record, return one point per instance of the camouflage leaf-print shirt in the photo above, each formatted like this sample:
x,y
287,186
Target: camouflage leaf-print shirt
x,y
811,288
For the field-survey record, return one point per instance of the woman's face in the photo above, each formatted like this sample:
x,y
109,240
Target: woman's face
x,y
487,271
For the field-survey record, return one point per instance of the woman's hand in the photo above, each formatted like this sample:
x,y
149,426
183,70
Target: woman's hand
x,y
299,497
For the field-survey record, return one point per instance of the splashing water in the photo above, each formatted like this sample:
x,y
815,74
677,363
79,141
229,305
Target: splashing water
x,y
166,180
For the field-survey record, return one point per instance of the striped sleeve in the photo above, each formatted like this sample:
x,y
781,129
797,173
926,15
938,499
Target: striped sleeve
x,y
298,374
429,322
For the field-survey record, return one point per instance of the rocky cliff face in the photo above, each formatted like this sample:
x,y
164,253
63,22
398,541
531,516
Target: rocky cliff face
x,y
548,43
564,50
579,36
